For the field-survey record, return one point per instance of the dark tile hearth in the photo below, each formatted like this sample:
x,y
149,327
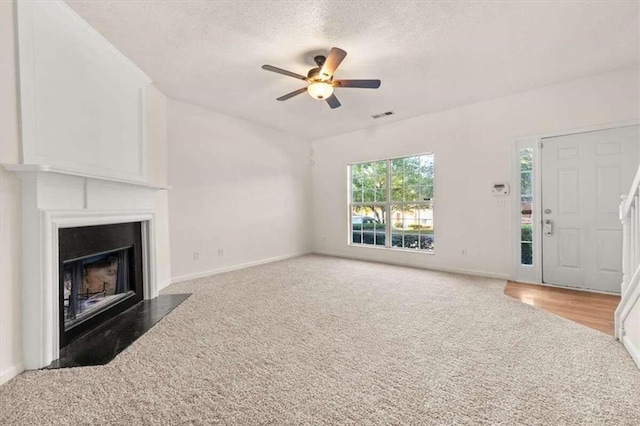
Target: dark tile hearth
x,y
103,343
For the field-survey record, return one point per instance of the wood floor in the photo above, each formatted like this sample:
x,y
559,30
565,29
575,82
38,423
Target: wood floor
x,y
591,309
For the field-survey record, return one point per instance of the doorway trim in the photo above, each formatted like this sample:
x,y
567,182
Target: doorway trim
x,y
525,273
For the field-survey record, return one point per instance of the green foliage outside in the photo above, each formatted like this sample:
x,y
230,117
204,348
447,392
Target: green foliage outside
x,y
411,180
526,245
526,173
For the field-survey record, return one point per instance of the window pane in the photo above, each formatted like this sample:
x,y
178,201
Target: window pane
x,y
411,193
412,226
369,196
368,225
426,170
397,166
526,234
368,181
526,210
526,253
397,193
356,192
426,193
526,183
526,159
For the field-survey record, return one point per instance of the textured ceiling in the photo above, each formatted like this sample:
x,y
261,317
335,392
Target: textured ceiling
x,y
429,55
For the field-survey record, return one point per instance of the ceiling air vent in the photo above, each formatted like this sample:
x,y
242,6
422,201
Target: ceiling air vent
x,y
384,114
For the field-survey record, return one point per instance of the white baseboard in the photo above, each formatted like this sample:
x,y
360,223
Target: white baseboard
x,y
164,285
10,373
633,351
236,267
472,272
565,287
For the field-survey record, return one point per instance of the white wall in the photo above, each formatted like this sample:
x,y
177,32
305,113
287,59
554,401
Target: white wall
x,y
10,200
236,186
82,100
472,150
158,172
10,194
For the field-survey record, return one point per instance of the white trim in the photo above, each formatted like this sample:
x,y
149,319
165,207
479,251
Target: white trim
x,y
630,297
625,207
383,248
585,290
10,373
586,129
519,272
472,272
386,205
633,351
40,315
535,275
222,270
44,168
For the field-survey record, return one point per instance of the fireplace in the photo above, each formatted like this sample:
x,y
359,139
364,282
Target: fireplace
x,y
100,275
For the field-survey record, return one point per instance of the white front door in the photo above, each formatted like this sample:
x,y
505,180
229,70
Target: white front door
x,y
583,177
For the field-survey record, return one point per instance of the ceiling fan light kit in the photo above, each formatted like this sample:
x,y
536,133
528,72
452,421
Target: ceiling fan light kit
x,y
320,90
320,80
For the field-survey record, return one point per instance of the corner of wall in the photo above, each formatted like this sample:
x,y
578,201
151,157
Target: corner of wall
x,y
10,203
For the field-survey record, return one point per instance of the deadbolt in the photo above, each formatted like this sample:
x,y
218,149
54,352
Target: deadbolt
x,y
547,211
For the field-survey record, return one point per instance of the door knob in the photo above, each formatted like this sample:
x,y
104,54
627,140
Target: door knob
x,y
548,227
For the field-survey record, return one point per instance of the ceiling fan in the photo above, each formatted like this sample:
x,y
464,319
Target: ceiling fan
x,y
320,80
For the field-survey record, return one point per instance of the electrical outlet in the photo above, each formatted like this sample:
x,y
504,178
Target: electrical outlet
x,y
220,252
196,255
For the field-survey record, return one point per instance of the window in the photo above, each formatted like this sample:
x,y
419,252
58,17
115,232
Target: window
x,y
391,203
526,199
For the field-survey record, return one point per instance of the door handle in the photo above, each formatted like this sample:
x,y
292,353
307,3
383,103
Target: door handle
x,y
548,227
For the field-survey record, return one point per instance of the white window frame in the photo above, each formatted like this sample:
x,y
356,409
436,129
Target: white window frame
x,y
387,205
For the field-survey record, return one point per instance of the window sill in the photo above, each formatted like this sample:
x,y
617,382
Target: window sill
x,y
400,249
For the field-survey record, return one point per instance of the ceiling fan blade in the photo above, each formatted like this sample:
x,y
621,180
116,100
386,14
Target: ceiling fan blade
x,y
292,94
333,102
335,57
361,84
284,72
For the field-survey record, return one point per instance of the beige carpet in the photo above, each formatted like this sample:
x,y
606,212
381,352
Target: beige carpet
x,y
318,340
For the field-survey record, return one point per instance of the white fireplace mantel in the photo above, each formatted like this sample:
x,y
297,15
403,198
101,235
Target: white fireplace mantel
x,y
43,168
54,198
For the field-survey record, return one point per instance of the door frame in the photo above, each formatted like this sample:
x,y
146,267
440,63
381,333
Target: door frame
x,y
525,273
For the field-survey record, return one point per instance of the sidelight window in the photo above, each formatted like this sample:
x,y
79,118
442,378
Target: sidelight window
x,y
526,200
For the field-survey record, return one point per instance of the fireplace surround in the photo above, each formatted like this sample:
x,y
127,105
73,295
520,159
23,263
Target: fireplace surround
x,y
55,200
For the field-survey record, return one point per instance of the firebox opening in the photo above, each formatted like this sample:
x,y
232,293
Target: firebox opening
x,y
100,275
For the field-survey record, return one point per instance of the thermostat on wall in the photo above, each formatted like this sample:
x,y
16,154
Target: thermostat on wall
x,y
500,189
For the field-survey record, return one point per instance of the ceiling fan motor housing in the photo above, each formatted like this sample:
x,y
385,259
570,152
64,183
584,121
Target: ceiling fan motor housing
x,y
320,60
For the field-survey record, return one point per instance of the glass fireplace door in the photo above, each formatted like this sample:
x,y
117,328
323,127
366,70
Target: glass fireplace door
x,y
93,283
